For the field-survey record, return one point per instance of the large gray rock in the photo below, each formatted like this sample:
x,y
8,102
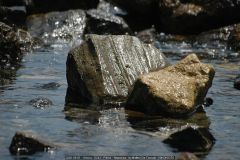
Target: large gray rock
x,y
173,91
103,69
58,26
26,143
195,16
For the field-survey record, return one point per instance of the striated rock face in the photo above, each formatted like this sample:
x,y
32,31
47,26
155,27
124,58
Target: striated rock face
x,y
54,26
103,69
43,6
191,140
196,15
26,143
173,91
102,22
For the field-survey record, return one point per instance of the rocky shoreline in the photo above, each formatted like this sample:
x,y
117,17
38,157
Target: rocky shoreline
x,y
114,61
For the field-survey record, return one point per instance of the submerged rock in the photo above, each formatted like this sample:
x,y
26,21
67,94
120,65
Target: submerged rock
x,y
173,91
197,140
102,70
103,22
194,16
141,121
81,115
57,26
41,102
43,6
50,86
26,143
237,83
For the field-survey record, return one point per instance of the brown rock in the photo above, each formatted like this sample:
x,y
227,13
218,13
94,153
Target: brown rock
x,y
174,91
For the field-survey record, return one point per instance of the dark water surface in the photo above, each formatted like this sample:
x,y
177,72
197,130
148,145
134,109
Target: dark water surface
x,y
112,135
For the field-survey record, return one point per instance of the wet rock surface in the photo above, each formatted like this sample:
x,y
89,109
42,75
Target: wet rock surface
x,y
57,26
103,22
173,91
40,102
195,16
12,44
197,140
103,69
237,83
26,143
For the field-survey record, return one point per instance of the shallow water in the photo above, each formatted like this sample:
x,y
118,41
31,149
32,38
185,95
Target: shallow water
x,y
112,134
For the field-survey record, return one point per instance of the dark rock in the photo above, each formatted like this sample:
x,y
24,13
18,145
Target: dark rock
x,y
237,83
191,140
187,156
141,14
25,143
137,7
43,6
195,16
40,102
102,22
13,42
12,16
102,70
208,101
14,2
57,26
81,115
173,91
234,38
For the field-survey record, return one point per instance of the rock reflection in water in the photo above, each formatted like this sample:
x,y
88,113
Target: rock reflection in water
x,y
141,121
